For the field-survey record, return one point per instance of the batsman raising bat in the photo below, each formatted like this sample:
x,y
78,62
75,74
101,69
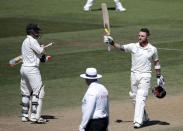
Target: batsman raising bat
x,y
143,55
32,88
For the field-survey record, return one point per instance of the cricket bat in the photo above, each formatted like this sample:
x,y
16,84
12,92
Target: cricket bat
x,y
14,61
106,22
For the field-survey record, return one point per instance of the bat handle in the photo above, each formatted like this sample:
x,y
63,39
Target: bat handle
x,y
108,33
109,46
50,44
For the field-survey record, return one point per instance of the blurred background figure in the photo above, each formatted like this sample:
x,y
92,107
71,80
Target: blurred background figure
x,y
118,5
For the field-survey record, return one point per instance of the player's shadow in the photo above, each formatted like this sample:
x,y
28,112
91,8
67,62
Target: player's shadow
x,y
99,9
155,122
48,117
120,121
149,123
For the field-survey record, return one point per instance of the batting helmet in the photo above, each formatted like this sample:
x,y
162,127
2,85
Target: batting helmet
x,y
159,92
33,29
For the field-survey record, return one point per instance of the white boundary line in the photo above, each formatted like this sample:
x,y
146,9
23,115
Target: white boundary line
x,y
170,49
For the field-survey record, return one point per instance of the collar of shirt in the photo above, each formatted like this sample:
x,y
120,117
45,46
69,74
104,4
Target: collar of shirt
x,y
94,82
29,36
145,48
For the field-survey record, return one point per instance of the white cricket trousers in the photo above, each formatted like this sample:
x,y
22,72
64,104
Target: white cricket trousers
x,y
31,81
31,87
140,84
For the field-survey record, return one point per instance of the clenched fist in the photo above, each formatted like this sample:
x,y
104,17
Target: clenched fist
x,y
108,40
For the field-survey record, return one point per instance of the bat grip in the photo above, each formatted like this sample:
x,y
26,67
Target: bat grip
x,y
109,46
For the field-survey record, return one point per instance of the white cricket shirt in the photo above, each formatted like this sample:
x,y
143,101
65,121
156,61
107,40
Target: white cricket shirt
x,y
142,57
95,103
31,52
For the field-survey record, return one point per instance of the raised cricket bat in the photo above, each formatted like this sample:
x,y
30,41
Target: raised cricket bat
x,y
14,61
106,22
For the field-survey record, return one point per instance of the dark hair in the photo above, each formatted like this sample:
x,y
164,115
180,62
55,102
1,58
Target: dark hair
x,y
145,30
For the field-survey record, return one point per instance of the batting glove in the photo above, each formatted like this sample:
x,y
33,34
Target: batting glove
x,y
160,80
108,40
48,58
45,58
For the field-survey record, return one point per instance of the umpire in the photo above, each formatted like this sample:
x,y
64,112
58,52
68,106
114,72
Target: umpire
x,y
95,103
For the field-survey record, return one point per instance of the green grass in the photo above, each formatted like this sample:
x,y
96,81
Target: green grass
x,y
78,38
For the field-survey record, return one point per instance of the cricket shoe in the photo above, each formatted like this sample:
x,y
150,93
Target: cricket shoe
x,y
25,119
120,9
39,121
137,125
87,8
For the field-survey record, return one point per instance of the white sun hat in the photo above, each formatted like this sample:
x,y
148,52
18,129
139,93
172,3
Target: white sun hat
x,y
91,73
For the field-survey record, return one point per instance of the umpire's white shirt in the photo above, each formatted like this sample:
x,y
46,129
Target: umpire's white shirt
x,y
31,52
95,103
142,57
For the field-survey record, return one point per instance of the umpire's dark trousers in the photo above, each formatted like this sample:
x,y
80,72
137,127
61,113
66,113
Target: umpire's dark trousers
x,y
100,124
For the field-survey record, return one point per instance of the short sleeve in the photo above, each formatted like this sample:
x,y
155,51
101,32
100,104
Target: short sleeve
x,y
128,47
155,55
36,47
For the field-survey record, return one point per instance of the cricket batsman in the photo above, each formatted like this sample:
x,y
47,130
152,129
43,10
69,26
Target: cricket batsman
x,y
143,55
31,85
